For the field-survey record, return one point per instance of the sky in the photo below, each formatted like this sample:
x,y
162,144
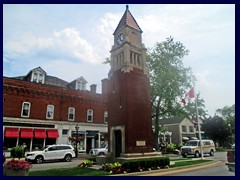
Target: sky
x,y
72,40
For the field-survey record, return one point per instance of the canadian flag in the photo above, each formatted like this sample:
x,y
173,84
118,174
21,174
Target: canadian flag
x,y
190,94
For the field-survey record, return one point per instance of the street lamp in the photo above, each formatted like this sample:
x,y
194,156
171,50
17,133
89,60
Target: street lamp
x,y
76,150
230,131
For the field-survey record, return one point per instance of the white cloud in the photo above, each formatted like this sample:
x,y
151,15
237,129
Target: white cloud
x,y
66,43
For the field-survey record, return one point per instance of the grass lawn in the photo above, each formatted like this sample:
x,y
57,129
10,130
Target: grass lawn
x,y
75,171
187,163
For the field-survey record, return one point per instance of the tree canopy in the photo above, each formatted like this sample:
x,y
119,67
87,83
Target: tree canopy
x,y
170,81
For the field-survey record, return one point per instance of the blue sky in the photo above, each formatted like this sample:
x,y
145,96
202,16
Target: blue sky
x,y
69,41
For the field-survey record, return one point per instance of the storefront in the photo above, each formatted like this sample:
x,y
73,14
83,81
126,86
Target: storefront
x,y
34,138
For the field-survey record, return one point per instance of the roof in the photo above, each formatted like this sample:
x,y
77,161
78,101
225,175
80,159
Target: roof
x,y
51,80
174,120
128,20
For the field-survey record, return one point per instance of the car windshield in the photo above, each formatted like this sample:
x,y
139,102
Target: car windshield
x,y
192,143
104,145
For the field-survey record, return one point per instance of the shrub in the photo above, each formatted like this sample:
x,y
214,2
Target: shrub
x,y
171,148
86,163
113,168
178,146
92,158
17,152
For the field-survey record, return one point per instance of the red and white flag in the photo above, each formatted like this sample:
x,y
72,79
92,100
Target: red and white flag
x,y
190,94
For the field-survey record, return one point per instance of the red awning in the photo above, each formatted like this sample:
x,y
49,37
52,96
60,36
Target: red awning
x,y
40,133
11,132
52,133
26,133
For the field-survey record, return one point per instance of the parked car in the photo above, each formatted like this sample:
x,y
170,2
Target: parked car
x,y
192,147
52,152
99,151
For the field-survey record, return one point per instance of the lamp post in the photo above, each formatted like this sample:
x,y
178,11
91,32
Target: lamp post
x,y
230,131
76,150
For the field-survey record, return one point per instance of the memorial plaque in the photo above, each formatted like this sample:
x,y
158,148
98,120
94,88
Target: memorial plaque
x,y
140,143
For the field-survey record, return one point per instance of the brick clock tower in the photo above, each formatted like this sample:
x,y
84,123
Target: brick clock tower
x,y
130,124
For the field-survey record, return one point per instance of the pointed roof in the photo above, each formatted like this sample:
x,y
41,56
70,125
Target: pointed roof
x,y
128,20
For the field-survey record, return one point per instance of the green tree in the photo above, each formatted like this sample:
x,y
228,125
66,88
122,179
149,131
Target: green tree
x,y
228,115
169,79
216,129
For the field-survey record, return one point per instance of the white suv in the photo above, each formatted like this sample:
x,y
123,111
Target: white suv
x,y
192,147
52,152
99,151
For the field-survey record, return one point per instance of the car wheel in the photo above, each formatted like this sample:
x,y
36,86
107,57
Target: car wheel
x,y
68,157
39,159
211,153
101,153
197,154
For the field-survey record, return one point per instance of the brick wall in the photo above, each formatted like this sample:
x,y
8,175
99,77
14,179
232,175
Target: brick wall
x,y
15,92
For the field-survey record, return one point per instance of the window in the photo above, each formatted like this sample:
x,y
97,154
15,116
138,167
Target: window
x,y
26,109
89,115
38,77
65,132
207,143
105,117
50,112
71,113
191,129
81,84
184,129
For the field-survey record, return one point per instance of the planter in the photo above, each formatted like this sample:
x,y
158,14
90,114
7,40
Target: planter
x,y
11,172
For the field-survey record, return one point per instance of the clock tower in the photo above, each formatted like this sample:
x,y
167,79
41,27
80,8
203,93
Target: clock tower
x,y
129,111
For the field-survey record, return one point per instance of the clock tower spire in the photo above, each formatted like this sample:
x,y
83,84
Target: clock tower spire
x,y
128,51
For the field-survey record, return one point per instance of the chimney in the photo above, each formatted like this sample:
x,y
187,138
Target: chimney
x,y
104,86
93,88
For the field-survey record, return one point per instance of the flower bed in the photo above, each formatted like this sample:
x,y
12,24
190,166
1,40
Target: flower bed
x,y
16,168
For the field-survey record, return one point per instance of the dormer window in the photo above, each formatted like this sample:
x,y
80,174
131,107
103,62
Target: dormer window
x,y
38,75
81,84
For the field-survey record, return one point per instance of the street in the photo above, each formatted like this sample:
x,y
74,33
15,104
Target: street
x,y
56,164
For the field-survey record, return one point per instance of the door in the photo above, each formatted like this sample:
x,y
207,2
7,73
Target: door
x,y
118,143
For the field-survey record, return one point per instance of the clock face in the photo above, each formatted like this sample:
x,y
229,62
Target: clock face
x,y
120,39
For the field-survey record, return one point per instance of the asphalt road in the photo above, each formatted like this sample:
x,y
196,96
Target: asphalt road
x,y
56,164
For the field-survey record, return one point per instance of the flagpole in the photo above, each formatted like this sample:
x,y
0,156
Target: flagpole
x,y
199,129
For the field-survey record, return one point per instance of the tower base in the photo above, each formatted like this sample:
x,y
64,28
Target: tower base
x,y
132,156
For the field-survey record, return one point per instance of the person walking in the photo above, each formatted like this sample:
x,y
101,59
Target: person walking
x,y
24,148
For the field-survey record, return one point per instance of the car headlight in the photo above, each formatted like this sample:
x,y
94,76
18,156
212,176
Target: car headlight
x,y
31,154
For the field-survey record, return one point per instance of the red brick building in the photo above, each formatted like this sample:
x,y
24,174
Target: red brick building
x,y
40,109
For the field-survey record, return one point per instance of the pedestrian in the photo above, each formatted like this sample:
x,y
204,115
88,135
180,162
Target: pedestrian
x,y
24,148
